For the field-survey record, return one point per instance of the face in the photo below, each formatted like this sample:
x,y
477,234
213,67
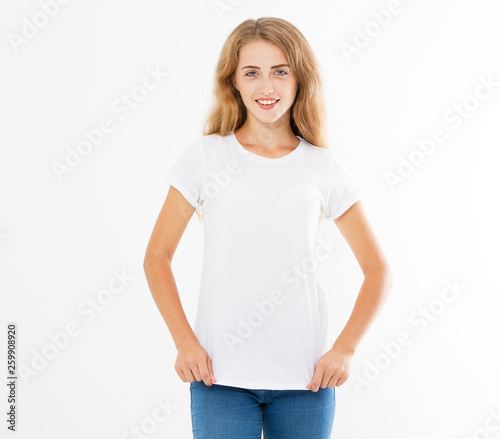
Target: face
x,y
263,73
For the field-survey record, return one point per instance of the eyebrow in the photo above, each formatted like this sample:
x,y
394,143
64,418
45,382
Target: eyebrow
x,y
272,67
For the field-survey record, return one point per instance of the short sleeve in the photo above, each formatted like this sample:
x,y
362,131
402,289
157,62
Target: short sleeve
x,y
342,191
187,173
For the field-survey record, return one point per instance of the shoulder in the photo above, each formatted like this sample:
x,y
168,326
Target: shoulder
x,y
211,142
318,154
210,149
212,139
201,141
326,154
329,163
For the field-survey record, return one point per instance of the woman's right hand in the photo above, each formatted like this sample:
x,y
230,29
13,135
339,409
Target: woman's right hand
x,y
193,363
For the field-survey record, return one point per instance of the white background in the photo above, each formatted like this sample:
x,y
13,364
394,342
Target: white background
x,y
62,239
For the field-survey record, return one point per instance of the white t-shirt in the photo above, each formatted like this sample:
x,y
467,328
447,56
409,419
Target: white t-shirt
x,y
262,316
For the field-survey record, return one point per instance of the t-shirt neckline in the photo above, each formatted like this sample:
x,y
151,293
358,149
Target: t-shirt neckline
x,y
263,159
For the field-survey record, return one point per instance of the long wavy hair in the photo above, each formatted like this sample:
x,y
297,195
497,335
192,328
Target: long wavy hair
x,y
307,114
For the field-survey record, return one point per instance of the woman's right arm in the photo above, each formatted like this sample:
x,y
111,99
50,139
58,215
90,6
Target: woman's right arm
x,y
193,363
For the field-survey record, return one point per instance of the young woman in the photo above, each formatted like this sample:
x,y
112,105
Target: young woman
x,y
261,356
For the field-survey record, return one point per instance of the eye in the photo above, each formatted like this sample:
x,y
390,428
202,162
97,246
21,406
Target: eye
x,y
283,73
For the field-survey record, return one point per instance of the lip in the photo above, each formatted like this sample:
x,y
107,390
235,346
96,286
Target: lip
x,y
267,107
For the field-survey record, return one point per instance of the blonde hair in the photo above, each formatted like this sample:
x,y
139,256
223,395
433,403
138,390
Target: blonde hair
x,y
307,114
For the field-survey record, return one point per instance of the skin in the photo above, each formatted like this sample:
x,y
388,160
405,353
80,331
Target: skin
x,y
267,133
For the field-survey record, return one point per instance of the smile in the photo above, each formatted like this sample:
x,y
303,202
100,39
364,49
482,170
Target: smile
x,y
267,102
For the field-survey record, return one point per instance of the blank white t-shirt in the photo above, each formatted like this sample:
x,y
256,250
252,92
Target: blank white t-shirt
x,y
262,316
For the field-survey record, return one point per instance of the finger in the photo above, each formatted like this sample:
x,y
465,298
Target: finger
x,y
342,380
182,375
205,374
316,381
210,370
188,374
196,372
333,382
327,377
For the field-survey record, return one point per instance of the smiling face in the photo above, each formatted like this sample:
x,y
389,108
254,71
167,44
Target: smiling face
x,y
263,74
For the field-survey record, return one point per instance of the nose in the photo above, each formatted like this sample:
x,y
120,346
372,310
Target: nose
x,y
267,87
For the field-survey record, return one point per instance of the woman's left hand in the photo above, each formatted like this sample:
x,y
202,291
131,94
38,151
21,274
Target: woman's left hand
x,y
332,369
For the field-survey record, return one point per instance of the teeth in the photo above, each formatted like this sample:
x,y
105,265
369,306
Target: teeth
x,y
267,102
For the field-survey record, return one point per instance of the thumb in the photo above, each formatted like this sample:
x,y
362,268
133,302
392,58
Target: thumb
x,y
210,369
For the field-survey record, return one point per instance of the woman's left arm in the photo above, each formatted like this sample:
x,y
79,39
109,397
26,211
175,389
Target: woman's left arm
x,y
333,367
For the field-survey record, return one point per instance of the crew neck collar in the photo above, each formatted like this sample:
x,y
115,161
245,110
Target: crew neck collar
x,y
255,157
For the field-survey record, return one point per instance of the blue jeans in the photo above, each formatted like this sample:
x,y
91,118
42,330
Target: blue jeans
x,y
226,412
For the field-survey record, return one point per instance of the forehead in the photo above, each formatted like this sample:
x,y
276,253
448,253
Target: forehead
x,y
261,53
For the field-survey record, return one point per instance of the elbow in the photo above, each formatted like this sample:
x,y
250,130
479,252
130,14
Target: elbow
x,y
381,270
153,259
388,277
147,261
145,264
